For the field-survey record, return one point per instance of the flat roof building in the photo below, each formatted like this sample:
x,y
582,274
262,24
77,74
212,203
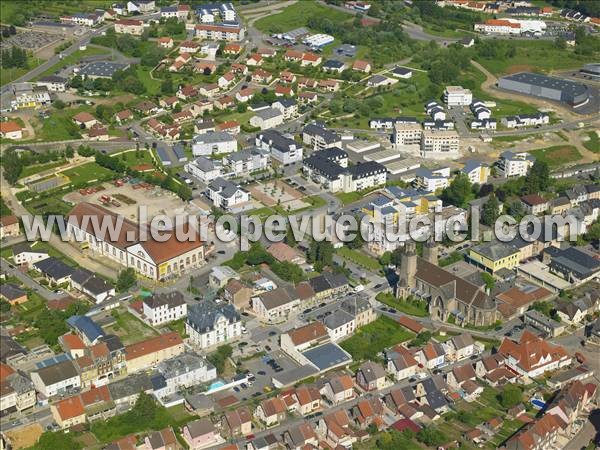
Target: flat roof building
x,y
551,88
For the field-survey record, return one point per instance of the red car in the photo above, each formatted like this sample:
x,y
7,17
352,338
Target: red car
x,y
250,437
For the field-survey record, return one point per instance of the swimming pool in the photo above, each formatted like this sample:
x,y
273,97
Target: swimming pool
x,y
217,384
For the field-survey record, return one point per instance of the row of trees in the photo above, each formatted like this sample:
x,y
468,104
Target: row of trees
x,y
14,57
13,162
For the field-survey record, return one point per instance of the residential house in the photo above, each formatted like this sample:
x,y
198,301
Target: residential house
x,y
165,42
459,375
213,143
335,429
129,26
201,433
164,307
275,305
288,107
534,204
371,376
13,294
164,439
300,436
238,294
56,379
209,324
11,130
254,60
227,195
205,169
340,324
237,422
219,32
261,76
308,399
226,79
150,352
317,137
459,347
282,148
401,363
338,389
368,412
271,411
68,412
267,118
247,161
432,355
532,356
361,66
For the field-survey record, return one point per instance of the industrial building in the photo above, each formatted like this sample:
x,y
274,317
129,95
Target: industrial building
x,y
551,88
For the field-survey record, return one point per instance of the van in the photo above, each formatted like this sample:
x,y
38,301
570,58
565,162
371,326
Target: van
x,y
359,288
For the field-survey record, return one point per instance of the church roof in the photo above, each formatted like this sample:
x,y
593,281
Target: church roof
x,y
459,288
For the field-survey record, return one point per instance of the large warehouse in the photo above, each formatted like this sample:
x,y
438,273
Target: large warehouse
x,y
551,88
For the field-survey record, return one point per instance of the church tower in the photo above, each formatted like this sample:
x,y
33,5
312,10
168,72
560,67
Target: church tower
x,y
408,270
430,252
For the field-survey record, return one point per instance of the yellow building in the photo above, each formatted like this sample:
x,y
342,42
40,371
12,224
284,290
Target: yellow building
x,y
495,255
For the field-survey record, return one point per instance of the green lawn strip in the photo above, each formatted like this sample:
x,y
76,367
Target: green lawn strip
x,y
349,197
177,326
557,155
87,173
37,168
357,257
371,339
152,86
73,58
593,144
298,15
419,308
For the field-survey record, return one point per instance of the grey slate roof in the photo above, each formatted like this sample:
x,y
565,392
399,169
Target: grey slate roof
x,y
57,372
53,268
268,113
202,316
225,187
337,318
172,299
316,129
213,137
11,291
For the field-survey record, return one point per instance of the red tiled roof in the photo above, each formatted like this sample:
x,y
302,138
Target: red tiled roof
x,y
70,408
152,345
10,126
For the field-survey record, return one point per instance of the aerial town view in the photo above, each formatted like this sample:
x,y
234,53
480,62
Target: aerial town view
x,y
300,224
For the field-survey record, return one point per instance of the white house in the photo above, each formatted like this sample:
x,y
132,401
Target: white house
x,y
401,363
513,164
164,307
477,171
24,255
288,107
209,324
267,118
205,169
246,161
340,324
226,194
214,142
183,371
283,149
457,96
56,379
432,180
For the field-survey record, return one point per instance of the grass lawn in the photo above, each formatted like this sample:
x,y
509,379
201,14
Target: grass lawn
x,y
152,86
41,245
262,213
129,328
37,168
557,155
178,326
297,15
416,308
29,310
130,158
371,339
8,75
593,144
59,126
51,205
535,56
87,173
74,58
360,258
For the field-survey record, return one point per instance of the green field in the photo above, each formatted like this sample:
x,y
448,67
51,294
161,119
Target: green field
x,y
16,12
130,158
360,258
557,155
593,144
371,339
8,75
536,56
297,15
88,172
59,126
73,58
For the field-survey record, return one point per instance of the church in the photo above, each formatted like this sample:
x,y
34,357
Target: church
x,y
448,295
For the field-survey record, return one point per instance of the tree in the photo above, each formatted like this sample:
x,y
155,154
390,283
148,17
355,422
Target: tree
x,y
50,441
538,178
560,43
510,396
166,87
59,104
459,192
490,211
515,209
126,279
4,306
431,436
489,280
69,152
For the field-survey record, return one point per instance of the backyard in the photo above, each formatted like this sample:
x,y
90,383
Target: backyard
x,y
129,328
409,306
371,339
